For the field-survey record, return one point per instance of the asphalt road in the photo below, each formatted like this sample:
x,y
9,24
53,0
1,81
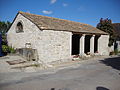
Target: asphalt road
x,y
88,75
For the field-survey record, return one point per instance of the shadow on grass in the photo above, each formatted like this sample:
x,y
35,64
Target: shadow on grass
x,y
113,62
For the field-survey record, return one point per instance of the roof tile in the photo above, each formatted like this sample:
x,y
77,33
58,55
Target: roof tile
x,y
51,23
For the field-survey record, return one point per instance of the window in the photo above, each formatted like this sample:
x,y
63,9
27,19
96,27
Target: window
x,y
19,27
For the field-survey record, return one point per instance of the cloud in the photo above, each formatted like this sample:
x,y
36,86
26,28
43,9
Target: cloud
x,y
53,1
28,11
47,12
65,4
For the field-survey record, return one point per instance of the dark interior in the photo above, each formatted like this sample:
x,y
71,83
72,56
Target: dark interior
x,y
96,44
75,44
87,43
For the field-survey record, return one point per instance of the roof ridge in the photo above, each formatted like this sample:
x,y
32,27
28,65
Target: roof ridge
x,y
59,24
52,17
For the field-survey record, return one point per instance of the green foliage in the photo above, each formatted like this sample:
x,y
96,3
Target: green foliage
x,y
4,26
106,26
11,50
5,48
4,39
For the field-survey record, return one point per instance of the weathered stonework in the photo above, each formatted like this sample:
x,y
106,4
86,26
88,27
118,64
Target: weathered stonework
x,y
55,45
118,45
51,45
103,45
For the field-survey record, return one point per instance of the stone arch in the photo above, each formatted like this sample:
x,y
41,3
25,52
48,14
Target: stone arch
x,y
19,27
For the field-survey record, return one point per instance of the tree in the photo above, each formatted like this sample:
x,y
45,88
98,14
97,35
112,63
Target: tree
x,y
106,26
4,26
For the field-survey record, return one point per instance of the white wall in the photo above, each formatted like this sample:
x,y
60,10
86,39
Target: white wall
x,y
51,45
103,48
54,45
118,42
18,40
111,48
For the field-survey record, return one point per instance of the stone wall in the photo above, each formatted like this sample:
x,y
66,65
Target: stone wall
x,y
103,45
51,45
118,43
111,48
54,45
18,40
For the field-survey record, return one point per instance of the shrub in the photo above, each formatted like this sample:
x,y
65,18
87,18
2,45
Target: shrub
x,y
5,48
11,50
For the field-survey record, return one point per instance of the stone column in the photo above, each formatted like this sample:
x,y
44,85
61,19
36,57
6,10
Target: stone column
x,y
100,43
92,44
82,44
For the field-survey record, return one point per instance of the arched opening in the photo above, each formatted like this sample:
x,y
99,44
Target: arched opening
x,y
19,27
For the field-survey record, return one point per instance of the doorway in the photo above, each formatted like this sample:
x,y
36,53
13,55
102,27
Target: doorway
x,y
87,43
96,44
75,44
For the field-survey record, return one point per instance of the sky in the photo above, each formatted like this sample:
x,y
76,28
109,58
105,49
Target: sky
x,y
84,11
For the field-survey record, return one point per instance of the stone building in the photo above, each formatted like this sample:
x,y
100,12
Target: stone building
x,y
116,29
55,39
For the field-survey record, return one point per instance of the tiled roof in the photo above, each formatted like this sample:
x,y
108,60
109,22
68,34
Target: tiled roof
x,y
50,23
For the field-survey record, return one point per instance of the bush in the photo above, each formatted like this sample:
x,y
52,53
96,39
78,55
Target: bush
x,y
5,48
11,50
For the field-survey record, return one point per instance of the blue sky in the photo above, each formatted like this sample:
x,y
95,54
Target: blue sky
x,y
84,11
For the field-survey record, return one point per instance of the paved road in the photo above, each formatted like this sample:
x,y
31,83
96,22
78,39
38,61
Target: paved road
x,y
89,75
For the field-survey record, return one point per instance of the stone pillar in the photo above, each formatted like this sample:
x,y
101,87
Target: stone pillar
x,y
92,44
100,43
82,44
